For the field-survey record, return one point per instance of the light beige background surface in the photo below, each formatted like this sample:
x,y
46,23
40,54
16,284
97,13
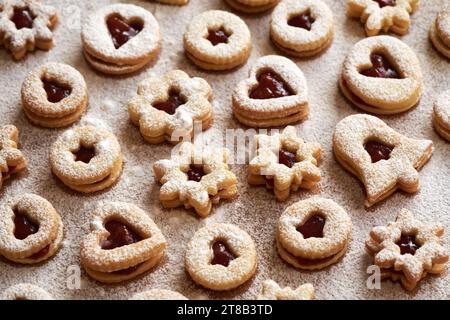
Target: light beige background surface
x,y
255,210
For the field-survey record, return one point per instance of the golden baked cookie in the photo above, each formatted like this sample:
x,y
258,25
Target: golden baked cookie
x,y
54,95
408,249
26,25
302,28
120,39
382,75
86,159
158,294
11,158
252,6
383,15
275,94
221,257
174,2
440,32
441,115
313,234
25,291
217,40
284,163
124,242
31,230
167,108
383,159
272,291
195,178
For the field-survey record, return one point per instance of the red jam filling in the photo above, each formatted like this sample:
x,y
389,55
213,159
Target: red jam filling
x,y
121,31
287,158
313,227
217,36
222,255
381,68
408,244
24,227
195,173
40,254
270,85
119,235
22,18
311,262
55,91
303,20
84,154
384,3
172,103
9,172
378,151
127,271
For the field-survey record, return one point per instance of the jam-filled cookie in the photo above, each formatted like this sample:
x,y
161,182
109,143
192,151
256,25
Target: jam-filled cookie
x,y
302,28
221,257
54,95
86,159
26,25
217,40
25,291
174,2
284,163
441,115
120,39
252,6
158,294
382,75
383,159
124,243
169,107
313,234
383,15
195,178
440,32
272,291
31,230
408,249
275,94
11,158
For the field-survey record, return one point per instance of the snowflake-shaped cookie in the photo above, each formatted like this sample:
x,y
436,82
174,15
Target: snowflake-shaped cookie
x,y
285,162
166,108
11,158
408,249
383,14
195,178
272,291
26,25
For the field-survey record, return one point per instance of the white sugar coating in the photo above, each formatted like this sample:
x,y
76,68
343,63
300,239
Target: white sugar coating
x,y
255,211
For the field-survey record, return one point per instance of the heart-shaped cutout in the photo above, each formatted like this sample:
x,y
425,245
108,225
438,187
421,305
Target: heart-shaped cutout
x,y
381,68
122,31
270,86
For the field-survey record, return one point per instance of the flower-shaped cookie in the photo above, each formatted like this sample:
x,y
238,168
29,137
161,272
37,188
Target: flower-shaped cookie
x,y
383,14
284,162
11,158
25,291
166,108
26,25
195,178
408,249
124,242
440,32
383,159
441,115
272,291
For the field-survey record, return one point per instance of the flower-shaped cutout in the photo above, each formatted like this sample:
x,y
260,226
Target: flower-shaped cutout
x,y
196,178
11,158
272,291
166,108
284,162
408,249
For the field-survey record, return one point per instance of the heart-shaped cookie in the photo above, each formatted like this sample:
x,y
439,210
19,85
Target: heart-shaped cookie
x,y
382,75
275,94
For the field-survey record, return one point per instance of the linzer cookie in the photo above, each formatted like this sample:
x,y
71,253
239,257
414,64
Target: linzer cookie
x,y
86,159
174,2
275,94
441,115
272,291
11,159
195,178
408,249
221,257
217,40
124,243
302,28
167,108
54,95
120,39
284,163
382,75
383,159
31,230
440,32
252,6
313,234
26,25
158,294
383,15
25,291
